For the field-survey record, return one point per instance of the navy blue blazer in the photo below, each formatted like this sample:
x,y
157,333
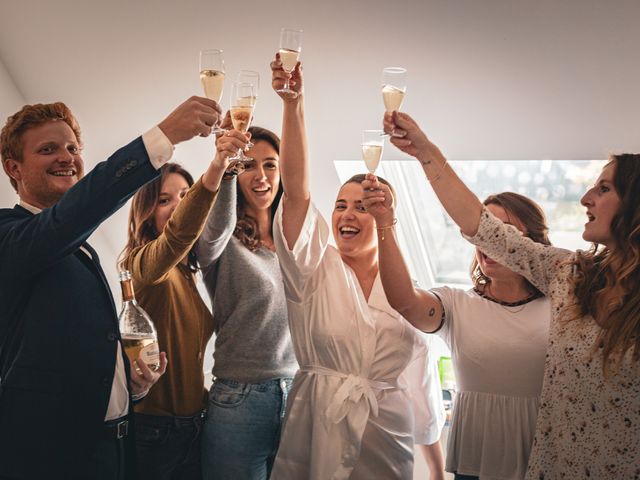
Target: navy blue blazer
x,y
58,323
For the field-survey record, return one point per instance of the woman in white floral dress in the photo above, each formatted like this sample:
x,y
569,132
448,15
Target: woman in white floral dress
x,y
589,420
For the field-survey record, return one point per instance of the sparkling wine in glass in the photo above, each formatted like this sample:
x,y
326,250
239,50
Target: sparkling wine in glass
x,y
243,101
249,76
252,77
394,86
212,77
372,143
290,48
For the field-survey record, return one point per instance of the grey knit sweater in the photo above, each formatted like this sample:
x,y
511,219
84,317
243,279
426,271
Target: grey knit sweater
x,y
253,343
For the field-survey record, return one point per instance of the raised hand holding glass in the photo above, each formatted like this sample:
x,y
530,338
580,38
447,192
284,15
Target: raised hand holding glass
x,y
290,48
212,77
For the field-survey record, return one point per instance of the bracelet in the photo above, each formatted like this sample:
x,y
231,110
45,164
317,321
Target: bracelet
x,y
439,174
382,229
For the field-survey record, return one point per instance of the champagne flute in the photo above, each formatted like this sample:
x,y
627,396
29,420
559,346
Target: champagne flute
x,y
243,101
252,77
372,143
249,76
212,77
290,48
394,86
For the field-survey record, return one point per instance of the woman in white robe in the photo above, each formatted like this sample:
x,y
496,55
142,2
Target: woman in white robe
x,y
363,394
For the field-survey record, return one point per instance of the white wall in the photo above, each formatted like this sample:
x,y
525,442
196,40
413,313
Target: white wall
x,y
491,79
10,102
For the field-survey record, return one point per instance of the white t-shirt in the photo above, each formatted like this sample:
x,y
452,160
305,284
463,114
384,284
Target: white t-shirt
x,y
498,355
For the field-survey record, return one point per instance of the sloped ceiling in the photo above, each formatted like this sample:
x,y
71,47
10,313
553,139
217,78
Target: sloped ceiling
x,y
498,79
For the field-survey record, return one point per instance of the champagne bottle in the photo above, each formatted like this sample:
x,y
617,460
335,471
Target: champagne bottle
x,y
136,328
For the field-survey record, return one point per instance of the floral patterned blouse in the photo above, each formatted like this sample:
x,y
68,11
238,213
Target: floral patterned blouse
x,y
588,426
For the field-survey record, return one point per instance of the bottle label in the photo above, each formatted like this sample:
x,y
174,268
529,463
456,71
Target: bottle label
x,y
150,354
145,349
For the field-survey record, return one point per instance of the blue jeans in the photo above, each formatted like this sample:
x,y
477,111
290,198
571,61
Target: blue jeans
x,y
242,429
168,448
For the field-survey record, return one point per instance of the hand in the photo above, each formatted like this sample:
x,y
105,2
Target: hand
x,y
407,136
142,377
378,200
279,77
227,145
196,116
227,123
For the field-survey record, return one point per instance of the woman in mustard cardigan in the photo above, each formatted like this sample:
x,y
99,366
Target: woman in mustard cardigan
x,y
167,216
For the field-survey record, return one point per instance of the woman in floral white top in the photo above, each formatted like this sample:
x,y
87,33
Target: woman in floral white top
x,y
589,420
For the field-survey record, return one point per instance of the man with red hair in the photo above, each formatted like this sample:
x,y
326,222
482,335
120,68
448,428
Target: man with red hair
x,y
66,387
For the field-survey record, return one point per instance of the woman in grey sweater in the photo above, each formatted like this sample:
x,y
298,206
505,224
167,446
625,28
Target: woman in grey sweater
x,y
254,360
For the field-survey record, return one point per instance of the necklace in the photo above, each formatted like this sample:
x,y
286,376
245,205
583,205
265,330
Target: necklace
x,y
520,303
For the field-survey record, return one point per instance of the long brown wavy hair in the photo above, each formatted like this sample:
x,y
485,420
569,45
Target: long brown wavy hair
x,y
246,226
607,281
141,229
527,212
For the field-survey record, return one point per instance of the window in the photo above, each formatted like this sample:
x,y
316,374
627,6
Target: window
x,y
433,247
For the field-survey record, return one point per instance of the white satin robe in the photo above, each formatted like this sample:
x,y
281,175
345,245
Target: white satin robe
x,y
366,388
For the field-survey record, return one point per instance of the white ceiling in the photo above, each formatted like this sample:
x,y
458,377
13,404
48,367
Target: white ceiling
x,y
493,79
